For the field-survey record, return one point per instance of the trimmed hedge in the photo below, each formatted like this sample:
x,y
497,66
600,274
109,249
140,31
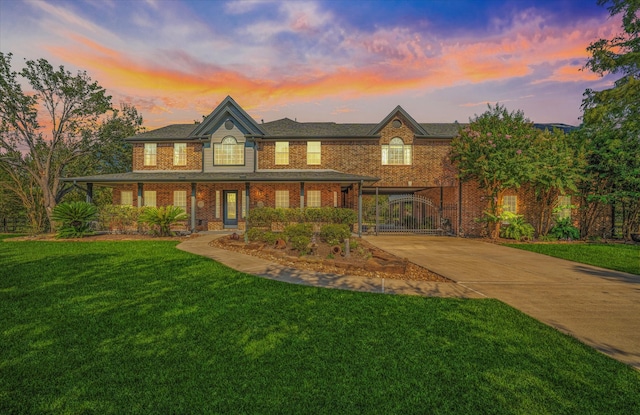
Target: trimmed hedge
x,y
263,217
335,234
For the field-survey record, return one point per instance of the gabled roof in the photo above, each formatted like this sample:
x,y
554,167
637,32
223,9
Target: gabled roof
x,y
417,128
228,108
170,132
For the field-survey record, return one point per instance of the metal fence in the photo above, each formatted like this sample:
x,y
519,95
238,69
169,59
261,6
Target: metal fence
x,y
13,225
408,213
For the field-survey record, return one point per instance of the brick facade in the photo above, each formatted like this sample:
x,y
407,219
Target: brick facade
x,y
164,158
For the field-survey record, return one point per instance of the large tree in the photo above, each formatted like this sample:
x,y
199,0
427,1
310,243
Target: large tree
x,y
494,150
45,129
611,126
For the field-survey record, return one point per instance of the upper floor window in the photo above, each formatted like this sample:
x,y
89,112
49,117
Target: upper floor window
x,y
180,154
313,152
228,152
282,152
150,152
396,153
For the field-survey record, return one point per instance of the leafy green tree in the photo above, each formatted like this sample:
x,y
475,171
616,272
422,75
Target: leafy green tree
x,y
39,146
495,151
611,128
558,168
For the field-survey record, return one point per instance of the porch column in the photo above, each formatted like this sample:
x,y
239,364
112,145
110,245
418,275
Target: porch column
x,y
459,207
247,188
360,208
377,212
193,207
140,195
301,195
89,192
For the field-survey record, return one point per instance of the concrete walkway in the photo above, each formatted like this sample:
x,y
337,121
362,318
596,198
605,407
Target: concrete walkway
x,y
267,269
600,307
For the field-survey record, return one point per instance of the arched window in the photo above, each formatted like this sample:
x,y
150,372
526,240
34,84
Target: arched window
x,y
228,152
396,152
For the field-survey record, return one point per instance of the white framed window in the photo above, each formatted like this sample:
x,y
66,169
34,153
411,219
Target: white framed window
x,y
150,154
396,153
126,198
217,204
510,204
282,198
180,154
282,152
180,199
564,207
228,153
314,153
314,199
150,198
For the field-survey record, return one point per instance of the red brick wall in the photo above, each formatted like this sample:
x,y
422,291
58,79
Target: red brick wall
x,y
164,157
430,166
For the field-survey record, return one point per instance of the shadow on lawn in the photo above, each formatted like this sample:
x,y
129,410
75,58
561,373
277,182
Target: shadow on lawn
x,y
609,274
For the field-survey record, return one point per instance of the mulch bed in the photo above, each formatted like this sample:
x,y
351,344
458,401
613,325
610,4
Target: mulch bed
x,y
364,261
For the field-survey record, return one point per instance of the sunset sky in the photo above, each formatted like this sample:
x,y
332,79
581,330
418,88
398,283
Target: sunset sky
x,y
343,61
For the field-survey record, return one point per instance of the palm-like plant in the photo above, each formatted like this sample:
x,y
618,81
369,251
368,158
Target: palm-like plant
x,y
76,218
162,218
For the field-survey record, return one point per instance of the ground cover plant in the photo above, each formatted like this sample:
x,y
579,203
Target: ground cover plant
x,y
618,257
140,327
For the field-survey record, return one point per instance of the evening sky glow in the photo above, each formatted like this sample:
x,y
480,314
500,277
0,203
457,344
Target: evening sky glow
x,y
350,61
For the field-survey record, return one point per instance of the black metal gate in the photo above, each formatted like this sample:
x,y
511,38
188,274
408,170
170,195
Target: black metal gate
x,y
408,213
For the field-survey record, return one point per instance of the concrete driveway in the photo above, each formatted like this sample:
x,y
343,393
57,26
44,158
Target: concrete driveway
x,y
598,306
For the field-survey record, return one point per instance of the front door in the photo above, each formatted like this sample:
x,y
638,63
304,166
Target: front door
x,y
230,208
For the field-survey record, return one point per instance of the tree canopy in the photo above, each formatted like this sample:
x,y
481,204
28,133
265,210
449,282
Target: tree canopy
x,y
611,128
47,130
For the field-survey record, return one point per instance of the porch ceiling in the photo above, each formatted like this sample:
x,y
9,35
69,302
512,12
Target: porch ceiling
x,y
325,176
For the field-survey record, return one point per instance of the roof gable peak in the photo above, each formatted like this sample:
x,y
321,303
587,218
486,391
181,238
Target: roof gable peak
x,y
228,108
417,128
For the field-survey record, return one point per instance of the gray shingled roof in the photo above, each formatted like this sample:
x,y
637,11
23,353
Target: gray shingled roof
x,y
289,128
170,132
259,176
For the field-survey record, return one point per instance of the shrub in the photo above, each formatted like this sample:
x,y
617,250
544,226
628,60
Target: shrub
x,y
263,217
299,236
161,218
564,229
75,219
118,217
334,234
517,229
267,237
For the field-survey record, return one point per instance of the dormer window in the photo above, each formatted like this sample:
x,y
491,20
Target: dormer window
x,y
228,153
396,152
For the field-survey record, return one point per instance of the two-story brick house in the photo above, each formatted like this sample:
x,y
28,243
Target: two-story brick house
x,y
228,164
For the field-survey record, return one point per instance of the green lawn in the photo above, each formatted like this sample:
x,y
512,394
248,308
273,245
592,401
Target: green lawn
x,y
619,257
140,327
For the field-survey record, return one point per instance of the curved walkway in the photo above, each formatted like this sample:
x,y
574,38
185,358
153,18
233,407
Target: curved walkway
x,y
600,307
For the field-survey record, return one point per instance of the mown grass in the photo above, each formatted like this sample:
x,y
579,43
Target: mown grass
x,y
140,327
618,257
